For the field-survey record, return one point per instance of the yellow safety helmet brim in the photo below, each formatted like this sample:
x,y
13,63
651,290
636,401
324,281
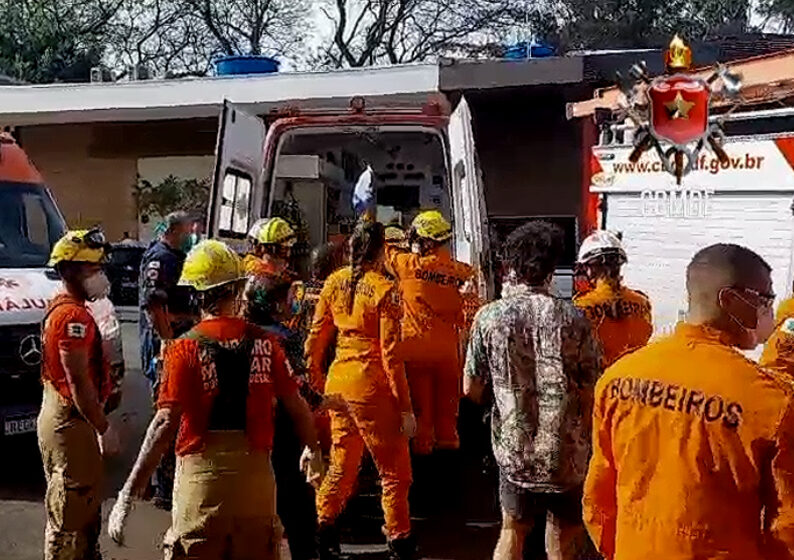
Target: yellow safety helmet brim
x,y
432,225
72,247
273,231
211,264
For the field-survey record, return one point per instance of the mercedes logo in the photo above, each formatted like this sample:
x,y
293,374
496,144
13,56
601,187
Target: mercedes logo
x,y
30,350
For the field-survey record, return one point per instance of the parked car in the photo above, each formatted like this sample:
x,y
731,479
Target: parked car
x,y
122,270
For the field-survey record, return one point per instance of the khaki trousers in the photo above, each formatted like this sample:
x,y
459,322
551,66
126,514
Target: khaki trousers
x,y
224,503
73,472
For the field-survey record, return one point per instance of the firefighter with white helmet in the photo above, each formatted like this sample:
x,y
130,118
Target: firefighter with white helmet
x,y
220,382
270,243
621,317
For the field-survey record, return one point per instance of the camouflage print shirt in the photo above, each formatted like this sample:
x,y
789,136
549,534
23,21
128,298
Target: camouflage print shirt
x,y
537,355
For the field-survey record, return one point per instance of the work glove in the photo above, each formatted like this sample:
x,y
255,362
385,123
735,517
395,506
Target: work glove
x,y
408,424
335,402
118,516
109,442
313,466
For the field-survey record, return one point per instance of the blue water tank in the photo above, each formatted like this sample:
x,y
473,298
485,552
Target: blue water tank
x,y
518,51
246,64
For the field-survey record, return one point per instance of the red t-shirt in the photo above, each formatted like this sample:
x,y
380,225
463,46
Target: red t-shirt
x,y
70,326
192,386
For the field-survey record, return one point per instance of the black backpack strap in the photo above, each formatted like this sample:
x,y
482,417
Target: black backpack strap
x,y
233,370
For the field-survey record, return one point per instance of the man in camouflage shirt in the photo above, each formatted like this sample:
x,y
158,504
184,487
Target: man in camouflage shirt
x,y
537,358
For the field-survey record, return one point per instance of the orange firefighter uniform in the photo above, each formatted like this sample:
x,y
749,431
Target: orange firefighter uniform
x,y
68,443
779,350
621,318
368,373
433,321
693,446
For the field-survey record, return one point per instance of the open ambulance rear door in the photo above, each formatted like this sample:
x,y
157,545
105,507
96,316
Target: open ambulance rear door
x,y
238,184
468,197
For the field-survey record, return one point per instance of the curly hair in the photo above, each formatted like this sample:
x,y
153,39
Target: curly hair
x,y
533,250
366,243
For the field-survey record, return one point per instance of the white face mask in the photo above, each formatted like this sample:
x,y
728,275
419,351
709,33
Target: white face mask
x,y
764,324
96,286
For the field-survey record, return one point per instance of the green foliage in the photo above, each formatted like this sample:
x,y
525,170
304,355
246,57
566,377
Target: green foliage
x,y
171,195
45,41
648,23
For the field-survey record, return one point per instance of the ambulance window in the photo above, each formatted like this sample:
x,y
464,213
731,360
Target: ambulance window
x,y
36,220
235,205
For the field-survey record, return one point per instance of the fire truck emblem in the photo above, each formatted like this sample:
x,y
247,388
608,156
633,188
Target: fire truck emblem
x,y
672,110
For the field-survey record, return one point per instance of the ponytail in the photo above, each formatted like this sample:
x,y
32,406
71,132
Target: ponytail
x,y
366,243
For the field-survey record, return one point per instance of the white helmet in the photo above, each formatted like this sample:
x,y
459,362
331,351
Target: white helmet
x,y
600,243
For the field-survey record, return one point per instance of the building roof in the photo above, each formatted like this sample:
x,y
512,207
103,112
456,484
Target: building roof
x,y
393,86
203,97
765,79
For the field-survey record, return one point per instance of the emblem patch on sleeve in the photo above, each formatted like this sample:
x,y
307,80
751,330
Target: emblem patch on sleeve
x,y
75,330
788,326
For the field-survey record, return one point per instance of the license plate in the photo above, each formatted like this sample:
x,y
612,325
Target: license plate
x,y
20,426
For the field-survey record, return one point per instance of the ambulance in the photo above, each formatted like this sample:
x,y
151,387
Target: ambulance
x,y
302,163
30,223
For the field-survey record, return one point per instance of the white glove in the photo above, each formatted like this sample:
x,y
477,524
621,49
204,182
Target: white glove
x,y
313,466
109,442
408,424
118,517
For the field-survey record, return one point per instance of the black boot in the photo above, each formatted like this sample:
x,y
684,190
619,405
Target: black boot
x,y
328,542
403,548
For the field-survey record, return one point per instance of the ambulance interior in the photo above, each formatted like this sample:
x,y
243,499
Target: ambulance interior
x,y
317,170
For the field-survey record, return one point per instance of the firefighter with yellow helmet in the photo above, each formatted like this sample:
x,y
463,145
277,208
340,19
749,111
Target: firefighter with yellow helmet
x,y
270,246
73,430
220,383
621,317
431,282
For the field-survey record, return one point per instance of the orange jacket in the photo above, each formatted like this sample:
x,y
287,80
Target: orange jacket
x,y
779,350
366,365
432,303
621,318
693,447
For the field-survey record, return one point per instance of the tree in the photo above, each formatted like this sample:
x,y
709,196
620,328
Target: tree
x,y
183,37
647,23
367,32
52,40
778,14
171,195
160,35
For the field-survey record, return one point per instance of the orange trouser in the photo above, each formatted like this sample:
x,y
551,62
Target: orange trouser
x,y
73,471
376,426
435,394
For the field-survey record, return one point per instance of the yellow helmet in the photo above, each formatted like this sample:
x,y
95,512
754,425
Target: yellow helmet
x,y
272,231
85,245
432,225
394,233
211,264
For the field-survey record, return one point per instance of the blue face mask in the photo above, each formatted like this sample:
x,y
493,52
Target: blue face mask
x,y
189,242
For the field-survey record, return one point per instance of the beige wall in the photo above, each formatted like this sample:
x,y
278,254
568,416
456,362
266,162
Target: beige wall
x,y
89,190
92,168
